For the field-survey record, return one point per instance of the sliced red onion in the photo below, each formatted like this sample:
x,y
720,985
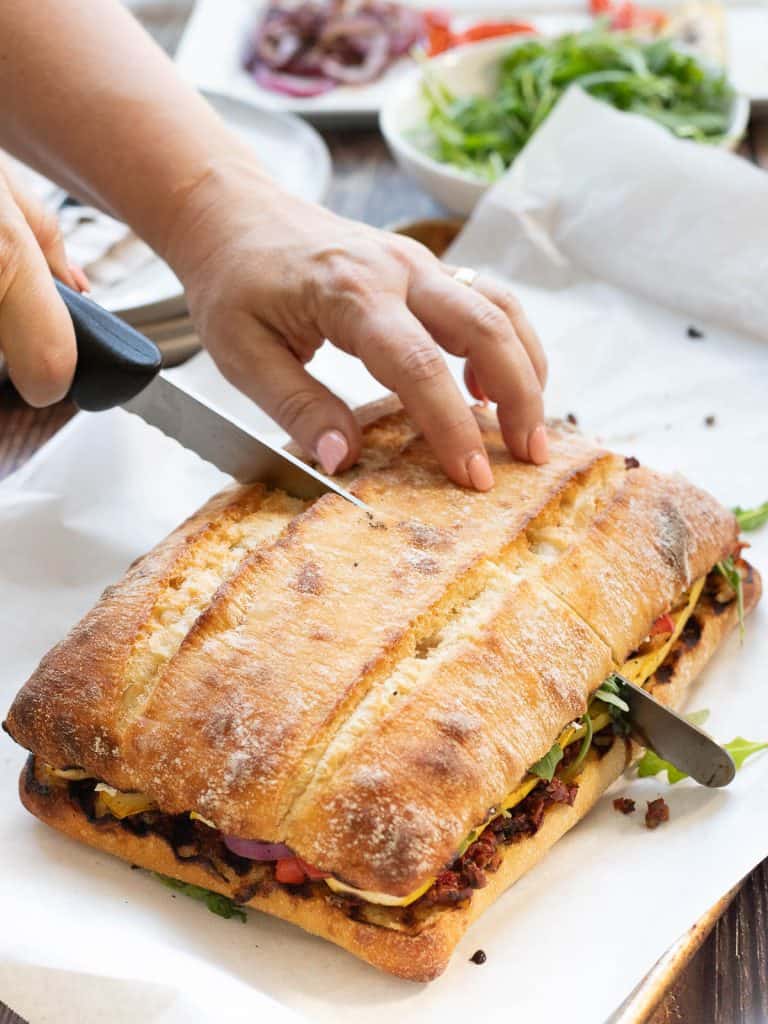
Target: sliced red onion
x,y
406,28
302,86
255,850
304,48
276,46
375,60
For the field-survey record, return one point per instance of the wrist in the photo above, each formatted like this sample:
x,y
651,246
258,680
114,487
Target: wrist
x,y
204,205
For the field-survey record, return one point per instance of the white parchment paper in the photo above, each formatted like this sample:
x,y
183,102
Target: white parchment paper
x,y
618,239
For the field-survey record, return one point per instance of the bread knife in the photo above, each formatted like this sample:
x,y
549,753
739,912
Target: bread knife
x,y
118,366
675,739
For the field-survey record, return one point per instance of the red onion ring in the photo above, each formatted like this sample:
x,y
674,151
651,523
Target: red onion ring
x,y
253,849
374,62
303,86
305,48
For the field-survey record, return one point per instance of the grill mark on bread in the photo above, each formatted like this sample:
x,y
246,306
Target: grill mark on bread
x,y
193,586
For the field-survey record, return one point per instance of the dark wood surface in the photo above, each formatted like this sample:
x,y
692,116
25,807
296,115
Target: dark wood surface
x,y
727,980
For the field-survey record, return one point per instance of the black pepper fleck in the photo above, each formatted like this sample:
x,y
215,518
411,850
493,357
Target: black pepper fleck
x,y
709,421
571,418
478,957
694,332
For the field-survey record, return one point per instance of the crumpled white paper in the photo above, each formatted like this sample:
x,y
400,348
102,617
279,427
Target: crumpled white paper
x,y
596,193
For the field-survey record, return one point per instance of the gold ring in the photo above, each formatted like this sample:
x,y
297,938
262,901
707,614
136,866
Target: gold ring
x,y
465,275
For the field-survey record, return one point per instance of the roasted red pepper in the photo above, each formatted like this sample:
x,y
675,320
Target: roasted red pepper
x,y
289,871
441,37
492,30
295,871
664,624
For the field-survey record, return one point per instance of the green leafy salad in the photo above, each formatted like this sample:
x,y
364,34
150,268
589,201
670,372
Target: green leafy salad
x,y
484,134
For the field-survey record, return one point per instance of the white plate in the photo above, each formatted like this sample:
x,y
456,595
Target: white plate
x,y
289,149
467,70
210,54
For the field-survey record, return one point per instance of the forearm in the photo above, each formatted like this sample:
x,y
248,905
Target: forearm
x,y
98,107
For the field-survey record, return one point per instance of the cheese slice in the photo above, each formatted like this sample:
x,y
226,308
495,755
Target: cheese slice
x,y
120,805
640,669
380,897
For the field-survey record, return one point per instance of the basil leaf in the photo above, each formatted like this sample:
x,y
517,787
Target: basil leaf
x,y
220,905
752,518
546,766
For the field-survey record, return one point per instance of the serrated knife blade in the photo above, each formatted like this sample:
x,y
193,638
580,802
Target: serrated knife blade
x,y
118,366
232,447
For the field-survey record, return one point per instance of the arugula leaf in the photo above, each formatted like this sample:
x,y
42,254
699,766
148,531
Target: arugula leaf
x,y
482,134
729,570
613,699
586,742
752,518
739,749
651,764
697,717
616,706
216,903
546,766
609,691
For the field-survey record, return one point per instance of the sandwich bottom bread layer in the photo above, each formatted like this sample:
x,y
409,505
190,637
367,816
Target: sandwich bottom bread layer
x,y
415,946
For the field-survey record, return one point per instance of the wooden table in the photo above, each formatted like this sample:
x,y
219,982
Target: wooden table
x,y
727,981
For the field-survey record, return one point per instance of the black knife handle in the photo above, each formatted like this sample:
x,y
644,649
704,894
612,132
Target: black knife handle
x,y
114,362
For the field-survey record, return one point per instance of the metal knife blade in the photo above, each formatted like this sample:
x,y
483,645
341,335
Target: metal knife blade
x,y
676,740
232,447
116,365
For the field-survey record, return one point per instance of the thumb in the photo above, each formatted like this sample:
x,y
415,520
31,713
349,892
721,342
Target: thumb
x,y
260,365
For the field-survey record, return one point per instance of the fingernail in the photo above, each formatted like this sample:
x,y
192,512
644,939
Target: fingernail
x,y
80,278
479,470
332,449
538,445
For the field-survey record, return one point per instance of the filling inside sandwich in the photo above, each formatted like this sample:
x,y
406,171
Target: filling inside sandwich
x,y
256,866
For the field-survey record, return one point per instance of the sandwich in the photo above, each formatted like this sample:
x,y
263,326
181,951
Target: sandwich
x,y
372,724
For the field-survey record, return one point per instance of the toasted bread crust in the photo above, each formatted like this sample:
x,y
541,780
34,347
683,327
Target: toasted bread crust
x,y
346,684
421,955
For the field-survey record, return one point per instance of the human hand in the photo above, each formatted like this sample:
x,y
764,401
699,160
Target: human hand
x,y
269,277
36,335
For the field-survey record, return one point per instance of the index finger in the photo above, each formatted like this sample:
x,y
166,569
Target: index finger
x,y
36,333
401,354
468,324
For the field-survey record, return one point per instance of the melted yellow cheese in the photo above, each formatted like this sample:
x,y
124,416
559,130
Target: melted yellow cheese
x,y
640,669
120,805
198,817
380,897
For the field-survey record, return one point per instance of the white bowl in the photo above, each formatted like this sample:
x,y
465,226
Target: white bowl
x,y
470,69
